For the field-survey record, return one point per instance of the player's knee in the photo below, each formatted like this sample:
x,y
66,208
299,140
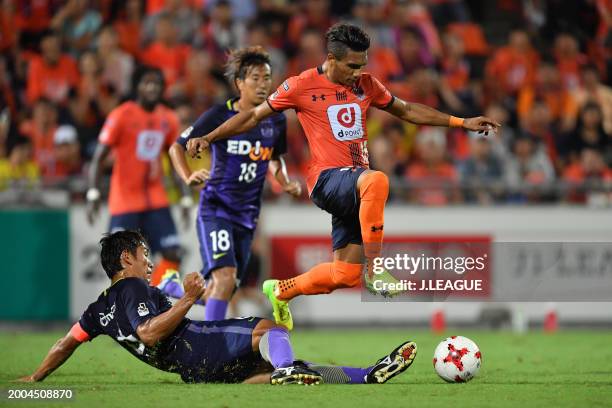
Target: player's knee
x,y
375,185
346,275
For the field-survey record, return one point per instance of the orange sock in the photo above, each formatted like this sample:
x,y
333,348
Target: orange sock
x,y
374,192
160,269
322,278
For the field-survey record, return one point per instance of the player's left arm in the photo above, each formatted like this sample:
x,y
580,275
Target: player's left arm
x,y
425,115
57,355
277,165
278,168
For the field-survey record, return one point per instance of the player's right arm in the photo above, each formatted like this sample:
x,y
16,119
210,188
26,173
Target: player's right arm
x,y
58,354
240,123
108,137
161,326
285,97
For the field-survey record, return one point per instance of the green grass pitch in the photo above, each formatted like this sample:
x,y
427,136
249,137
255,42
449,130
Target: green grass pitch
x,y
566,369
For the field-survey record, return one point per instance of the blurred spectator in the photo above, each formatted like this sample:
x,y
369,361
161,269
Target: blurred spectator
x,y
242,10
415,14
8,26
371,16
454,67
41,131
199,86
181,15
513,67
222,33
589,133
314,14
382,157
117,65
481,174
411,52
529,173
128,27
548,87
589,179
537,124
51,75
501,141
445,12
166,53
569,60
19,169
33,20
432,179
67,155
94,99
78,24
310,53
592,90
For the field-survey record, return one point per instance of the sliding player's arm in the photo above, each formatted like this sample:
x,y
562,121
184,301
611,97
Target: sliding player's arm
x,y
161,326
424,115
240,123
57,355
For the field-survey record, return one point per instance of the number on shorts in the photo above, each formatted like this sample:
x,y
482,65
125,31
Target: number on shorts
x,y
248,172
220,240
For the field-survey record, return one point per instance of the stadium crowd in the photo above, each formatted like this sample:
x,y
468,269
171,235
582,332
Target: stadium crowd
x,y
542,68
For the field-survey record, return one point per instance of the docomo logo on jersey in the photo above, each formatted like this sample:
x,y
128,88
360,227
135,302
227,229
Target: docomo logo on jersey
x,y
345,121
245,147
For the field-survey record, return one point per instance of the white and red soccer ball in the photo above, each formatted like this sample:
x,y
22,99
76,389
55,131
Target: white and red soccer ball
x,y
457,359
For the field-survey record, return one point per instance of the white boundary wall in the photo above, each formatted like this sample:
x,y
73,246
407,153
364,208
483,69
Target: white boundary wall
x,y
505,224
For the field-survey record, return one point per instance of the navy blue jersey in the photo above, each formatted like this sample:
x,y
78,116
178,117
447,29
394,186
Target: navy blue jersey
x,y
218,351
239,164
119,311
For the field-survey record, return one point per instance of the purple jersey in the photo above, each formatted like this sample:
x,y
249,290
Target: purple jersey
x,y
239,164
123,307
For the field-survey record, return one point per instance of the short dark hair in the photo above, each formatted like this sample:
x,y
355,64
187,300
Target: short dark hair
x,y
342,37
240,61
140,72
113,246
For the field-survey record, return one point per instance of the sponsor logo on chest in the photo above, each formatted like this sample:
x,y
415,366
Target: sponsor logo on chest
x,y
255,151
345,121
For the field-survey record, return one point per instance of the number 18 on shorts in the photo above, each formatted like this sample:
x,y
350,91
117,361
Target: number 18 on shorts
x,y
224,243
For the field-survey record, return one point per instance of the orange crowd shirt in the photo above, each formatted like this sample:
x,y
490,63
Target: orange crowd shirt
x,y
137,138
333,117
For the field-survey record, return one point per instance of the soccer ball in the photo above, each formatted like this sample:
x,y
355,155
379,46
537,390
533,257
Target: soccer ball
x,y
457,359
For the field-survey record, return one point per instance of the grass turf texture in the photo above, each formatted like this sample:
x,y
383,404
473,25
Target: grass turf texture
x,y
566,369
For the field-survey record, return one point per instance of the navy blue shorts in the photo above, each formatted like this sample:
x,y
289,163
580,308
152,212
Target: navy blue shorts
x,y
156,226
224,243
336,193
218,351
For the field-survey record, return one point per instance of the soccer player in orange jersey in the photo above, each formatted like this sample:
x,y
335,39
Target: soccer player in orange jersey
x,y
137,132
331,103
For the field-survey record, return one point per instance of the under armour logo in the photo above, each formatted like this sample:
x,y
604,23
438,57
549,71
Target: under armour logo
x,y
375,228
315,97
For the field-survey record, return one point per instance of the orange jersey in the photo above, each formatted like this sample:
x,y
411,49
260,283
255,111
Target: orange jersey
x,y
333,117
137,138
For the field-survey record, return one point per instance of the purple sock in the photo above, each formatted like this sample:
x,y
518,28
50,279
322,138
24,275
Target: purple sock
x,y
278,349
215,309
357,375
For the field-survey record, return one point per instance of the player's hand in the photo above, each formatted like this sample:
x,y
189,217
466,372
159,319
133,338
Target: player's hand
x,y
197,145
294,188
25,379
93,205
198,177
481,124
193,285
